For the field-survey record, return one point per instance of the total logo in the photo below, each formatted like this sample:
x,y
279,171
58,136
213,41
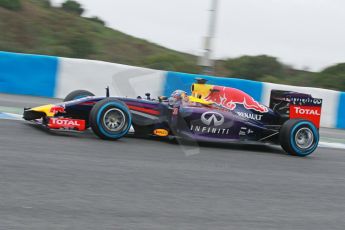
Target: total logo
x,y
65,122
302,111
311,113
212,122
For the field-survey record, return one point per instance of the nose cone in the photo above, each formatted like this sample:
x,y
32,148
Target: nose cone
x,y
37,112
44,109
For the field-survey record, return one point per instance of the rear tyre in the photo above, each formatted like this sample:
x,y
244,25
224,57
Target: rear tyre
x,y
110,119
77,94
299,137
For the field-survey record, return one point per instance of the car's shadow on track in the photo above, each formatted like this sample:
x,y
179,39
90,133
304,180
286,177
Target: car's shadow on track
x,y
251,147
72,134
189,147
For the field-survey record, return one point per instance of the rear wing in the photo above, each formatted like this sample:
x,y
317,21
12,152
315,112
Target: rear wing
x,y
293,105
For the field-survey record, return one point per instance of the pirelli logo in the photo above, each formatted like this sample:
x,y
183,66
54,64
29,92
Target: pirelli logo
x,y
161,132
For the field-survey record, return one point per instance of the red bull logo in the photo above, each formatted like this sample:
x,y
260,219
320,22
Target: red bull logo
x,y
230,98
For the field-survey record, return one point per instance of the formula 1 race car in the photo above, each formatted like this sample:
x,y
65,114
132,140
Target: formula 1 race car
x,y
210,114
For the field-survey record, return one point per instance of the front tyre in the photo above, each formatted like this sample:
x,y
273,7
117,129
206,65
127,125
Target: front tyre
x,y
77,94
299,137
110,119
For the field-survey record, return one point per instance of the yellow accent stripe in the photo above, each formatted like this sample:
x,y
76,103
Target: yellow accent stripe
x,y
201,101
45,109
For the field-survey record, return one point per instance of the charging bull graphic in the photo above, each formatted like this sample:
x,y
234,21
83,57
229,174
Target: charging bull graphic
x,y
230,98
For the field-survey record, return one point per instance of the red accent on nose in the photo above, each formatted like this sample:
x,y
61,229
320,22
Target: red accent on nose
x,y
57,109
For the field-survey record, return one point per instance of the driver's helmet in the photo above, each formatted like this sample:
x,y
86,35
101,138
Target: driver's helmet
x,y
177,97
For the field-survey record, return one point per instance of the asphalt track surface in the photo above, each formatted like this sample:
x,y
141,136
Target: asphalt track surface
x,y
76,181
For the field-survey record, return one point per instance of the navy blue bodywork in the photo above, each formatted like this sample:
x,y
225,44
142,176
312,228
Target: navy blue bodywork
x,y
190,120
186,121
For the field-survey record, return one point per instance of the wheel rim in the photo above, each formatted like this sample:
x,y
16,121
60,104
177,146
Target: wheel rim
x,y
114,120
304,138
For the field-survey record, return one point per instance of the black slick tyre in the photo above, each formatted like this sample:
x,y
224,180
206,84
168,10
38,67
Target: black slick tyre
x,y
299,137
110,119
77,94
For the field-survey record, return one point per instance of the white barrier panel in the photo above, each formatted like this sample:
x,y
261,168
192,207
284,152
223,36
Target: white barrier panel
x,y
329,105
95,76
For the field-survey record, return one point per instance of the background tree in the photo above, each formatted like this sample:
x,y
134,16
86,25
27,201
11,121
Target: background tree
x,y
332,77
73,7
97,19
254,67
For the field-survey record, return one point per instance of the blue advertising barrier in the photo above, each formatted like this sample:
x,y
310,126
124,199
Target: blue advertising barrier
x,y
28,74
184,81
341,112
